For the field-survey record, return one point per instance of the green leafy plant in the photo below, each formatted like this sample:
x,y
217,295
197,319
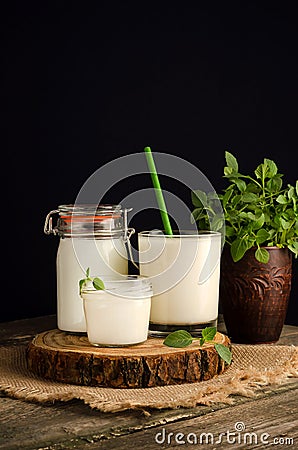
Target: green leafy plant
x,y
97,283
182,338
258,210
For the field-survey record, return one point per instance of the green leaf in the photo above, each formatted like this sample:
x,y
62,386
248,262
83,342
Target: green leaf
x,y
197,214
179,339
199,198
262,236
232,215
262,255
258,222
203,224
224,352
217,222
252,187
229,231
241,185
261,171
231,161
98,284
212,196
235,200
282,199
293,246
226,197
294,204
277,221
297,187
291,192
208,333
250,242
251,216
243,215
228,171
274,184
87,272
285,224
81,285
238,248
271,167
249,197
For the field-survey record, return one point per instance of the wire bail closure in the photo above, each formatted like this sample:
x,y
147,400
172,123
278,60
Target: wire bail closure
x,y
128,232
48,225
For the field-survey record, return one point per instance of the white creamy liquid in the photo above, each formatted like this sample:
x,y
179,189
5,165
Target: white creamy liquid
x,y
185,278
101,256
114,320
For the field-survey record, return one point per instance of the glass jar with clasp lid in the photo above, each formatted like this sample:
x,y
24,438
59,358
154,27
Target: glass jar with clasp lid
x,y
91,236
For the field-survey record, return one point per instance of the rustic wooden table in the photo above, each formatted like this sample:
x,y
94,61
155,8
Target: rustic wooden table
x,y
71,425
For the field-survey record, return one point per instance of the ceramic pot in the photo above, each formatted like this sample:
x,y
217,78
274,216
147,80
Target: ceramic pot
x,y
254,296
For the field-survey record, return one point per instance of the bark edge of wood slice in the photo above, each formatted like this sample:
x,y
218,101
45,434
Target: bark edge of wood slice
x,y
69,358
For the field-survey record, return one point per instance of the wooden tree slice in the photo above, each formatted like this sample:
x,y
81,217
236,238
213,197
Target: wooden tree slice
x,y
69,358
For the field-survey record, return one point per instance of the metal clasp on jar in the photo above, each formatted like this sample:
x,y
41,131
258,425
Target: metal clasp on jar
x,y
48,225
128,232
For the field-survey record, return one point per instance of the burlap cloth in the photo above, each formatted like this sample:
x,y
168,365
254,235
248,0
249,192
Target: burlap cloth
x,y
252,368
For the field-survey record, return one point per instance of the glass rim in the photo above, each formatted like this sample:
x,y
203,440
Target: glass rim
x,y
122,287
180,233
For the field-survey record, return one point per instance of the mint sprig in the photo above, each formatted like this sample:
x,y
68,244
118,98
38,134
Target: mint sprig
x,y
182,338
97,283
179,338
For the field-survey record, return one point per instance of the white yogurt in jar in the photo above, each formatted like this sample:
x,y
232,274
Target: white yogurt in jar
x,y
118,315
102,256
92,236
184,271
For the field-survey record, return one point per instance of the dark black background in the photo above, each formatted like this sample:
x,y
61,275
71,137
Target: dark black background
x,y
86,82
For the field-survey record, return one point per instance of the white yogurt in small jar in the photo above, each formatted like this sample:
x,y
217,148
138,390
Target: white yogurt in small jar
x,y
118,315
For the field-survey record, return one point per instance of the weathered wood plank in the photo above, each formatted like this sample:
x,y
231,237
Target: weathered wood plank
x,y
289,335
39,426
65,425
261,424
24,330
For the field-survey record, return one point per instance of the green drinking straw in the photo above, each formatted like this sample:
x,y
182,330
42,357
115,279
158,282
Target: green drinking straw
x,y
158,191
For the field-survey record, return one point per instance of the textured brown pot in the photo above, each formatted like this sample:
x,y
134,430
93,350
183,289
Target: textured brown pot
x,y
254,296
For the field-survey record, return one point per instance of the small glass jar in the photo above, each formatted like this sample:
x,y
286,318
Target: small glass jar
x,y
118,315
91,236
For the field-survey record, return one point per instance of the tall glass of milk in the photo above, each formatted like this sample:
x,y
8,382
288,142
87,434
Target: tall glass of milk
x,y
184,270
119,314
91,236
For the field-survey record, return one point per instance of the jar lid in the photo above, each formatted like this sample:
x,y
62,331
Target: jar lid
x,y
128,286
89,209
90,219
